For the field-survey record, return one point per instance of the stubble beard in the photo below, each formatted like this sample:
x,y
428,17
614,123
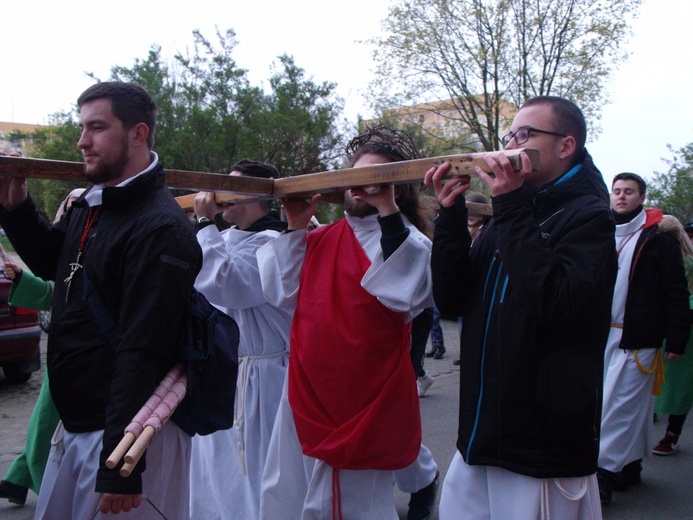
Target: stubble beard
x,y
358,209
102,172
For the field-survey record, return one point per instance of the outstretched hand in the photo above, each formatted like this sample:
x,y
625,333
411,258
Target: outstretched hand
x,y
447,192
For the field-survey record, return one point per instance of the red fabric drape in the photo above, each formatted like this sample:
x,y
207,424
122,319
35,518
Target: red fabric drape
x,y
351,383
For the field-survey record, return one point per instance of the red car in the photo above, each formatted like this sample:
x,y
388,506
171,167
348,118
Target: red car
x,y
20,335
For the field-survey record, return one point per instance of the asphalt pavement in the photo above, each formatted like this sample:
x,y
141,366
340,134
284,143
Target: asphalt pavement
x,y
665,492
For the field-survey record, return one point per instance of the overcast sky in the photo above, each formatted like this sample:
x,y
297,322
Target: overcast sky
x,y
48,47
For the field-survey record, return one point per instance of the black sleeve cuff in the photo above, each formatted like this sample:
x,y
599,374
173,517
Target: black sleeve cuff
x,y
201,225
110,481
394,233
453,217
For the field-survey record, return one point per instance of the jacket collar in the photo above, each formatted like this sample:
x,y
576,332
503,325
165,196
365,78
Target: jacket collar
x,y
150,180
583,179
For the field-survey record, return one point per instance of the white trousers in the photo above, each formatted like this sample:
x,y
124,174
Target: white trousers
x,y
67,490
628,406
418,474
298,487
358,494
492,493
287,471
219,490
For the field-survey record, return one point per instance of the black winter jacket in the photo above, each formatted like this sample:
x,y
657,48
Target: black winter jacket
x,y
142,259
657,306
535,295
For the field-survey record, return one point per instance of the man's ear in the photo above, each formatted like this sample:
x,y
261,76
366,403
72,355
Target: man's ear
x,y
140,133
568,147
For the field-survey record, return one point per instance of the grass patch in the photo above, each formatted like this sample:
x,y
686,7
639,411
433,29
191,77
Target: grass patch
x,y
7,246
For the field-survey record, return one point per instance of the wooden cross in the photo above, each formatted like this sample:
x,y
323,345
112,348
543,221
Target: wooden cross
x,y
237,189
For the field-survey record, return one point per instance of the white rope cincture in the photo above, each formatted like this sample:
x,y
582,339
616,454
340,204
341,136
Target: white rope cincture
x,y
57,443
545,502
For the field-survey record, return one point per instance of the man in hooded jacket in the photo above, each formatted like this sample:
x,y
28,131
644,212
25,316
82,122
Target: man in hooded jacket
x,y
650,306
534,292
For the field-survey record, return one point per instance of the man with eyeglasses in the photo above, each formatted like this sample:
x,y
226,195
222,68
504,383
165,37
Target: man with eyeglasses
x,y
534,294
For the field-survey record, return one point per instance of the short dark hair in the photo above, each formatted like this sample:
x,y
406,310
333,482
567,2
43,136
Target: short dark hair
x,y
628,176
256,169
130,103
568,119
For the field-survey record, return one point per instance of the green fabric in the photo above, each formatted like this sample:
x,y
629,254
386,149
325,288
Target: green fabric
x,y
31,292
677,392
27,469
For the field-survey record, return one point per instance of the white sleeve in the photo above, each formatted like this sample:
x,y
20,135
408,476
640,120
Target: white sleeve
x,y
403,282
280,262
229,276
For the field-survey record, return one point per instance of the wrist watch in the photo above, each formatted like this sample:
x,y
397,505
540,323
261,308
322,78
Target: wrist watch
x,y
202,223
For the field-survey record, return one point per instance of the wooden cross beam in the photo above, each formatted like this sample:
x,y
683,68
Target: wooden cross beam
x,y
234,189
185,180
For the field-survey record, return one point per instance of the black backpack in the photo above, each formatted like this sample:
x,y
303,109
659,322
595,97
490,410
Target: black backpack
x,y
210,353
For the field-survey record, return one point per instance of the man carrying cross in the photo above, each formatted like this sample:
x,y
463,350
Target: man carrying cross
x,y
130,240
534,293
353,287
226,466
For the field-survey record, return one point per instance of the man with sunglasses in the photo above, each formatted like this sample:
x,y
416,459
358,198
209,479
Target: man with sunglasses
x,y
534,294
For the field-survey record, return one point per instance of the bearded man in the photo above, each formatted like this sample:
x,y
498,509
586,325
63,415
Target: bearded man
x,y
127,240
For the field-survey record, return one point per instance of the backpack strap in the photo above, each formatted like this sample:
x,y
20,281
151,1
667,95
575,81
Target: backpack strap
x,y
98,308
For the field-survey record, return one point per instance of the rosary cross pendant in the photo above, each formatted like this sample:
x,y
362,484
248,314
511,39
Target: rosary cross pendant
x,y
74,267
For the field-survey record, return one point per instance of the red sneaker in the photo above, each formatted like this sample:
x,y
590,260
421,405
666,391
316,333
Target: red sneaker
x,y
668,445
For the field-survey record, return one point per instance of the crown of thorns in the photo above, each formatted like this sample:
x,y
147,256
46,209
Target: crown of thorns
x,y
386,138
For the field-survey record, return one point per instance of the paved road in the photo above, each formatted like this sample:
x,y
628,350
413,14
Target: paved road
x,y
665,492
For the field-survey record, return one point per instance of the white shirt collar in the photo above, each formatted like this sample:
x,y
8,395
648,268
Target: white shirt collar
x,y
95,195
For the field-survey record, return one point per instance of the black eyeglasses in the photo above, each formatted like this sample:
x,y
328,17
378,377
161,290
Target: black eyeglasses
x,y
522,135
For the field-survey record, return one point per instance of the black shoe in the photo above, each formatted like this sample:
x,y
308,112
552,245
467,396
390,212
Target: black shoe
x,y
605,481
12,492
438,353
629,475
423,502
434,348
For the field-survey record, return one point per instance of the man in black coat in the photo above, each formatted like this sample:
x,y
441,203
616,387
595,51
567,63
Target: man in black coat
x,y
534,293
129,238
649,311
